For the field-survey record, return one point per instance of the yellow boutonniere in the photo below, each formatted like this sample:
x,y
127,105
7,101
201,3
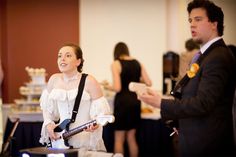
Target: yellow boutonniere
x,y
193,70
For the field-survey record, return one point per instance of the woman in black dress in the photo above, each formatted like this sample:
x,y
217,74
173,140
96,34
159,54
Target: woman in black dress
x,y
127,107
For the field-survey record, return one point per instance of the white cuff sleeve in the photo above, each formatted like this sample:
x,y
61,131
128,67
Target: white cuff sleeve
x,y
50,114
99,106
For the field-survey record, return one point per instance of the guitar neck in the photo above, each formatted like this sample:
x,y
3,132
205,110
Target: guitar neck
x,y
66,135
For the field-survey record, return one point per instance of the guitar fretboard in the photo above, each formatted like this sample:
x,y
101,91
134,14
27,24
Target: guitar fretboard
x,y
68,134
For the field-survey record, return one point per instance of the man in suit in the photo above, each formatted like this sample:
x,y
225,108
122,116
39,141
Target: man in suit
x,y
203,107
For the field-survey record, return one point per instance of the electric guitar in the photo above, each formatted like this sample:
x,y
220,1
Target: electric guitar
x,y
64,134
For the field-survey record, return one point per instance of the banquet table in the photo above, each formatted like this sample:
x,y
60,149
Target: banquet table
x,y
45,152
152,135
26,135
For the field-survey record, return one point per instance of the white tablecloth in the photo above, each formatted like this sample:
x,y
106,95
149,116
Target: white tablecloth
x,y
26,116
63,152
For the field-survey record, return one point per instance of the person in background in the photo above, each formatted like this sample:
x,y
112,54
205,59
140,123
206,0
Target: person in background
x,y
127,108
185,58
57,101
204,106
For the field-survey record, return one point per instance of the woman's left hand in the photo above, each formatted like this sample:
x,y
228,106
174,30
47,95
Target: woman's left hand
x,y
91,128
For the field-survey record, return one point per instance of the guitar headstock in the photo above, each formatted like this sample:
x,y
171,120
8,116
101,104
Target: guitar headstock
x,y
104,119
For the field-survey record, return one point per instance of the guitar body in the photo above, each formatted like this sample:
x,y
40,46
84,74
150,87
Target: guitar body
x,y
60,143
64,134
59,130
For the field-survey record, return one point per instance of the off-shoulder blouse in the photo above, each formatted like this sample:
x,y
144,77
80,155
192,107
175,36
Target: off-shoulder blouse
x,y
59,103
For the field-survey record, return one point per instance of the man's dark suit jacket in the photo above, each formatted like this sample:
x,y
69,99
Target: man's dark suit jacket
x,y
205,110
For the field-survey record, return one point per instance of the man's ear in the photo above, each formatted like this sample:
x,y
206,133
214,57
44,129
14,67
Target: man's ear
x,y
214,25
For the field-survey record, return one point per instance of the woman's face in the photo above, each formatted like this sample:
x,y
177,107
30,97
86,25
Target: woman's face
x,y
67,61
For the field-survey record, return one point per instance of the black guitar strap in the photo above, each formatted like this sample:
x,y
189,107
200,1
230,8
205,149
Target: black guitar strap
x,y
76,105
78,97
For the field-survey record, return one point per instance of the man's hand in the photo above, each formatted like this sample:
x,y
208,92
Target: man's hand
x,y
151,97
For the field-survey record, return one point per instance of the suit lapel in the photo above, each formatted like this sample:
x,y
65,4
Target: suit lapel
x,y
177,91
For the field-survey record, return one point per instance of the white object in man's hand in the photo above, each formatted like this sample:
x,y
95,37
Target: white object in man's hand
x,y
152,98
139,88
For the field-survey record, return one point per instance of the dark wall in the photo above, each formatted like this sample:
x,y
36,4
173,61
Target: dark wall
x,y
31,33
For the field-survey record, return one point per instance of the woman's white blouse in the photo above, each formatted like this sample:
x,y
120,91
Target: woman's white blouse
x,y
59,103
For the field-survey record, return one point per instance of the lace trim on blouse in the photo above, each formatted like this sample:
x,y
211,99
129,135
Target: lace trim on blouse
x,y
48,102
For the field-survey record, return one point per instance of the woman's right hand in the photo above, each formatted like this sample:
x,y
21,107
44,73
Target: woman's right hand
x,y
50,128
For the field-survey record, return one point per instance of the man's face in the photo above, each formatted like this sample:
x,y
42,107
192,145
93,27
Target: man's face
x,y
202,29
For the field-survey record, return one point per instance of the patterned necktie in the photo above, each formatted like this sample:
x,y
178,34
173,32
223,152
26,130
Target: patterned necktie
x,y
195,57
